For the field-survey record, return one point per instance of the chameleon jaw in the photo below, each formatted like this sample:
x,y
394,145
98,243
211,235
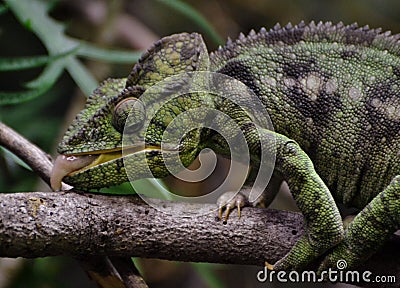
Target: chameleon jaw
x,y
72,164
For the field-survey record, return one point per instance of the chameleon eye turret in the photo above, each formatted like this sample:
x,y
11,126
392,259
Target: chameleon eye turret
x,y
133,108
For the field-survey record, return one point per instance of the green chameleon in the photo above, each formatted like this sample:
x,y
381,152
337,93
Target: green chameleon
x,y
332,93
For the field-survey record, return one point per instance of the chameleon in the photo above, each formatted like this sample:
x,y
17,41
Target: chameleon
x,y
332,92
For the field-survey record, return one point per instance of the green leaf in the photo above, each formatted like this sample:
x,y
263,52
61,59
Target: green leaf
x,y
20,63
28,24
33,14
191,13
153,188
207,273
37,87
3,9
52,35
108,55
7,98
81,75
49,75
8,154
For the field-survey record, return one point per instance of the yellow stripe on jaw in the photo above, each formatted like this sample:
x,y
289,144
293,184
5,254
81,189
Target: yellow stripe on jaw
x,y
72,164
112,154
102,158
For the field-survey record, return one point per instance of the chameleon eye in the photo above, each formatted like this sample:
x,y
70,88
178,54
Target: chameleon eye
x,y
130,107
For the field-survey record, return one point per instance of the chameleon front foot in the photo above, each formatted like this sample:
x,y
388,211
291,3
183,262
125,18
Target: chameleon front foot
x,y
228,201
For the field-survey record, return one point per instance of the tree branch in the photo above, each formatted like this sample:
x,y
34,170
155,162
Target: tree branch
x,y
39,224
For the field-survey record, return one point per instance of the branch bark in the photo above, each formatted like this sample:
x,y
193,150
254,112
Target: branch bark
x,y
40,224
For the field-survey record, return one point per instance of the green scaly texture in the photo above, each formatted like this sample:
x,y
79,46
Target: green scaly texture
x,y
332,92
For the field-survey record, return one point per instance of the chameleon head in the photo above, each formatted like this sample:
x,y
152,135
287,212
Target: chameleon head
x,y
117,125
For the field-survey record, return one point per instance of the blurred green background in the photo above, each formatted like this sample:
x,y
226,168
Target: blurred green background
x,y
39,102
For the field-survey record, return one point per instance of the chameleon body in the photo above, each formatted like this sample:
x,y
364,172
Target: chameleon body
x,y
333,95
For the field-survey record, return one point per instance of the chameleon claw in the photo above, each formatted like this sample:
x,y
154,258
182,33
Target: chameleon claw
x,y
269,266
227,211
240,202
220,213
230,201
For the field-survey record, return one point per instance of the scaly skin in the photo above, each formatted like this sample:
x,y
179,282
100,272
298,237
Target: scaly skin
x,y
332,92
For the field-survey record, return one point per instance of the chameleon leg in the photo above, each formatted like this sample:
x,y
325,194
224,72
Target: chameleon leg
x,y
324,227
369,229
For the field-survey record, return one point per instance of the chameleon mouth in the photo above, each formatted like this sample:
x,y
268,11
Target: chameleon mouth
x,y
72,164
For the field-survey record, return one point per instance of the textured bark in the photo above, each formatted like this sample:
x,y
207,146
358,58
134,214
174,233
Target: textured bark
x,y
41,224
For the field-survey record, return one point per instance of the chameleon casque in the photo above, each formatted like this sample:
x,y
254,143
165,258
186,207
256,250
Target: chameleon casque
x,y
333,95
